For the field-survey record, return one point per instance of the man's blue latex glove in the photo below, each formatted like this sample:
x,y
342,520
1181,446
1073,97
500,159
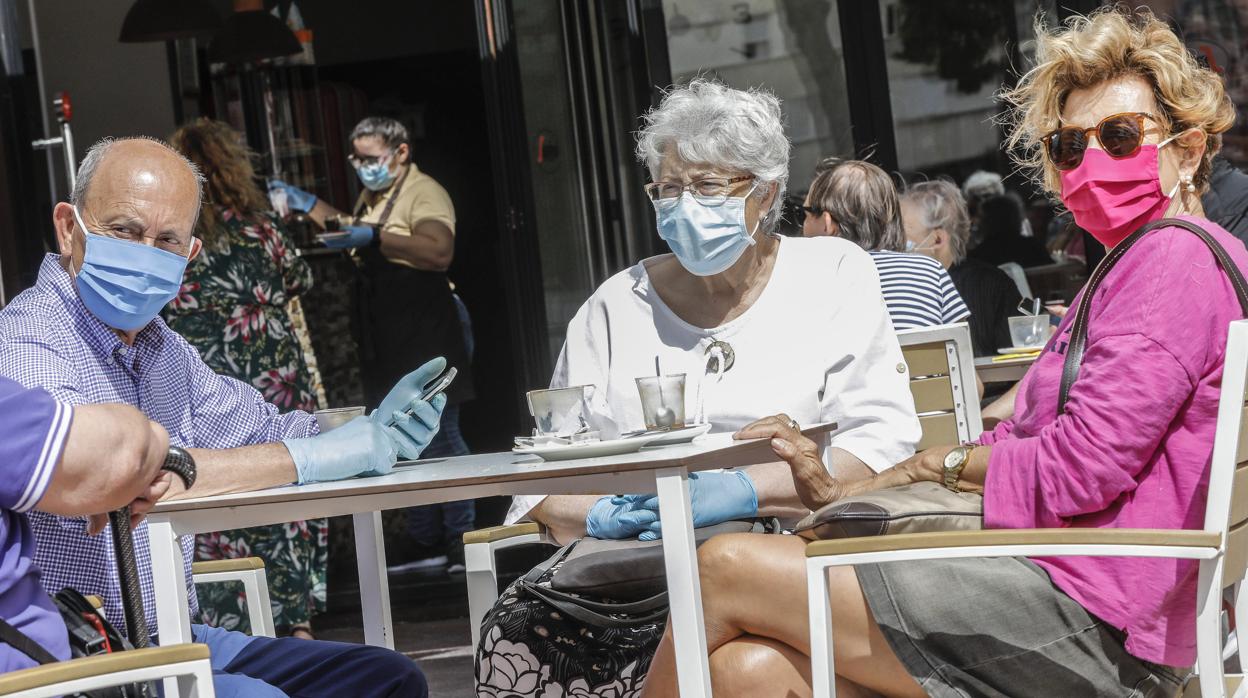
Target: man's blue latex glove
x,y
358,447
296,198
619,516
412,434
356,236
715,497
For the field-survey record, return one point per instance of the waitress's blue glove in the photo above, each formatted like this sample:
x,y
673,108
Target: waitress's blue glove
x,y
715,497
356,236
620,516
412,433
359,447
296,198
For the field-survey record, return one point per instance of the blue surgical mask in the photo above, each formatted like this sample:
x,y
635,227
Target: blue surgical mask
x,y
912,247
125,284
706,239
376,176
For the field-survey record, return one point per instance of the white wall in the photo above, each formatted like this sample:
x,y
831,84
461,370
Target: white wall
x,y
116,89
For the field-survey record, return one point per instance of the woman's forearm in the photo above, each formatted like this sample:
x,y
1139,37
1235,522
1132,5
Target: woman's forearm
x,y
564,515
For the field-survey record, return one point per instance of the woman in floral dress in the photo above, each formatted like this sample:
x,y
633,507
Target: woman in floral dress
x,y
233,308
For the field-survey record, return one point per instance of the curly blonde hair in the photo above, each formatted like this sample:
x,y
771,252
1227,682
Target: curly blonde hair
x,y
220,153
1108,44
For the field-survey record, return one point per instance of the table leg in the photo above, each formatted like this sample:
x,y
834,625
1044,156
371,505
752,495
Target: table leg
x,y
684,589
173,612
370,556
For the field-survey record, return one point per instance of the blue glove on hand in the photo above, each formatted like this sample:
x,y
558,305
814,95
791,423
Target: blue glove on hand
x,y
411,434
296,198
620,516
715,497
356,236
356,448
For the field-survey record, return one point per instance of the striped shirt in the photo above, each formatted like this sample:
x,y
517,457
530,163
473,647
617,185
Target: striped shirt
x,y
917,290
49,340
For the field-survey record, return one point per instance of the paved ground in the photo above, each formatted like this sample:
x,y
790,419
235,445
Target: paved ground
x,y
430,612
441,647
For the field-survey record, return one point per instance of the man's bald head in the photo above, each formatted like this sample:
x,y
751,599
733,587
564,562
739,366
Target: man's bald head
x,y
130,152
134,189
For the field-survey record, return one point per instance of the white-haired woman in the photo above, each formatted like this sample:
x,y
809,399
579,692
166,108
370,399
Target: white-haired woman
x,y
936,223
804,325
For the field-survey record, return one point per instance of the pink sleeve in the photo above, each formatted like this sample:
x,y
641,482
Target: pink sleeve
x,y
1089,456
1003,429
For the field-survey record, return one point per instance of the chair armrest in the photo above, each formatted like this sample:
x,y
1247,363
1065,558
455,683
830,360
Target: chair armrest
x,y
494,534
238,564
100,665
1015,536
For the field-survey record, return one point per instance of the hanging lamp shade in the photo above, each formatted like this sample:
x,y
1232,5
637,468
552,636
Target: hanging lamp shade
x,y
166,20
252,35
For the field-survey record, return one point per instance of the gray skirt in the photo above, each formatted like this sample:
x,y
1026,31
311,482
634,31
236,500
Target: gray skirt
x,y
998,627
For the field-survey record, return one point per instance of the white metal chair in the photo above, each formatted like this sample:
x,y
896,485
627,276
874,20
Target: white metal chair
x,y
1221,547
249,571
1016,272
188,663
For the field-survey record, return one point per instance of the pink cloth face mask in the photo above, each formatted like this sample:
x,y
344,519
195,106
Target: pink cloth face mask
x,y
1112,198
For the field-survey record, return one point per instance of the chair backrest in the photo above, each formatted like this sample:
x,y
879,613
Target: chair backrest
x,y
1227,508
1020,277
942,381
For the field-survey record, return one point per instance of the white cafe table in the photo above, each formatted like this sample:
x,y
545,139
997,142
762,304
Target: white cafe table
x,y
990,371
662,470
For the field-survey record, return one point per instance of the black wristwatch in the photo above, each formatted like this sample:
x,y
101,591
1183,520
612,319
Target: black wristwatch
x,y
375,243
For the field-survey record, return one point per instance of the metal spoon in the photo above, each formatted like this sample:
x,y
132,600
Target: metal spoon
x,y
664,417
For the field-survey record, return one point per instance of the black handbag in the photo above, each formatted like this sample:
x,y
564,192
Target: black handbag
x,y
90,634
625,578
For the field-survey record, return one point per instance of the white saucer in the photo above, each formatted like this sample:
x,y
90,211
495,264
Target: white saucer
x,y
590,449
682,435
1019,350
332,236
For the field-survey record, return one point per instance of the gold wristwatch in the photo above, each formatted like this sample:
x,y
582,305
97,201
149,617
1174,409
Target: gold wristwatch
x,y
955,461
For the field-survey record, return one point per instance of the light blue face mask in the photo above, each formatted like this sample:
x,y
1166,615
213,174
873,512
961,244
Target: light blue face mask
x,y
706,239
921,246
376,176
125,284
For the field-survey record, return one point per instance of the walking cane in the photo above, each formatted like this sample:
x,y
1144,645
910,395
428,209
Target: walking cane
x,y
180,463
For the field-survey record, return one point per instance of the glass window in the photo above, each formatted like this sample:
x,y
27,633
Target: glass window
x,y
945,63
792,47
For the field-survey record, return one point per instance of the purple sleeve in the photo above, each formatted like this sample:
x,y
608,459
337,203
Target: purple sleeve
x,y
35,429
229,413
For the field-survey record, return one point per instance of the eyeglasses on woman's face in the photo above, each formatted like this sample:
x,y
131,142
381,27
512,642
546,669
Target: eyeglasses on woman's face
x,y
709,191
1119,135
358,161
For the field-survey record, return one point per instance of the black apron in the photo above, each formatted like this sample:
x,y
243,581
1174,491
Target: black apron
x,y
404,317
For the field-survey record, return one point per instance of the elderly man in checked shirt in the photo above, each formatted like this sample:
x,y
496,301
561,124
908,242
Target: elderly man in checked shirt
x,y
88,332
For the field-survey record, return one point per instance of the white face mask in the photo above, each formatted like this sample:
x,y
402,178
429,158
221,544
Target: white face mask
x,y
911,247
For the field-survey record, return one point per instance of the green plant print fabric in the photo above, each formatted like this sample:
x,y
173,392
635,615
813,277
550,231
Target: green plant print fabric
x,y
232,308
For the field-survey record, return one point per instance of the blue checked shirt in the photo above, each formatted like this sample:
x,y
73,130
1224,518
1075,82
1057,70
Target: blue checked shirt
x,y
49,339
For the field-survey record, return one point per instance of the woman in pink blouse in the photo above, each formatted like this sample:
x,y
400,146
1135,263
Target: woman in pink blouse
x,y
1118,121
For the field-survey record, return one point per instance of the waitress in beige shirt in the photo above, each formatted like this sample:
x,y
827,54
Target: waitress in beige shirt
x,y
402,235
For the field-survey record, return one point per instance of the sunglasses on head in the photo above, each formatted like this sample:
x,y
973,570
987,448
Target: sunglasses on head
x,y
1120,136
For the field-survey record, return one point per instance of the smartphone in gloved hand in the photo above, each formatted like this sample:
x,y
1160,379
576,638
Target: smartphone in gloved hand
x,y
435,387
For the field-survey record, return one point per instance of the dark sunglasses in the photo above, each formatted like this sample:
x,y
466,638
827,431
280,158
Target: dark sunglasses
x,y
814,211
1120,136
